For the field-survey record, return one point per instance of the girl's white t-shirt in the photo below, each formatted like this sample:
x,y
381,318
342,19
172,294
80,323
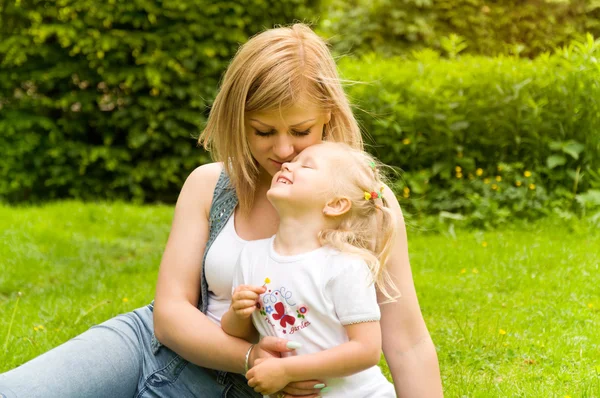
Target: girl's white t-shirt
x,y
309,299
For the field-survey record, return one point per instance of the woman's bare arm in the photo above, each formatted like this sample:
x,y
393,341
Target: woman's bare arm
x,y
407,345
178,324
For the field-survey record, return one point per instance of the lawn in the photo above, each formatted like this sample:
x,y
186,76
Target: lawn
x,y
513,312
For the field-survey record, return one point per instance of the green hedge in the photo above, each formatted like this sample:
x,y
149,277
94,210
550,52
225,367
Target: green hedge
x,y
102,99
527,27
490,137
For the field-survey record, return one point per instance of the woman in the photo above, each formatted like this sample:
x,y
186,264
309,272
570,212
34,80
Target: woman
x,y
280,94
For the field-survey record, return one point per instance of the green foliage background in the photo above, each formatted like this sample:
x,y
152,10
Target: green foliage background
x,y
392,27
102,99
488,137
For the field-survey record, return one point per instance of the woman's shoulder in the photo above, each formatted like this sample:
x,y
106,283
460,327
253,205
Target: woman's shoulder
x,y
201,183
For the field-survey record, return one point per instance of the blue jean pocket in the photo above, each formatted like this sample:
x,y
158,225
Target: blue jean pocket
x,y
168,374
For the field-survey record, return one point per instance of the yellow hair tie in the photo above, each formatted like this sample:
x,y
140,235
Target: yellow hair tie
x,y
367,196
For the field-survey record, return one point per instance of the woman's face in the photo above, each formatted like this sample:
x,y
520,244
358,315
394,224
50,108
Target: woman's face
x,y
276,137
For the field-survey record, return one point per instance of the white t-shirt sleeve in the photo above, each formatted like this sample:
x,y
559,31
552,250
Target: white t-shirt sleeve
x,y
352,291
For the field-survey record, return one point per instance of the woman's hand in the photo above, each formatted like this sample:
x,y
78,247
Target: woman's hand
x,y
272,347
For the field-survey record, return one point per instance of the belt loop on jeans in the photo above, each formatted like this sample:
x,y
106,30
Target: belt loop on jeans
x,y
221,377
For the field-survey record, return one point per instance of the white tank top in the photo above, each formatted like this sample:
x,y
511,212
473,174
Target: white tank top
x,y
221,260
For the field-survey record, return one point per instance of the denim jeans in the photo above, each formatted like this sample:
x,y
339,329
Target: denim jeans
x,y
115,359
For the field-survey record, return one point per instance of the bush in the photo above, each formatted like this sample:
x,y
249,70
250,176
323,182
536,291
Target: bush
x,y
490,138
102,99
526,27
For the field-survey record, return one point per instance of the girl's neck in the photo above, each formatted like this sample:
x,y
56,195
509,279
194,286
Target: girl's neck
x,y
297,235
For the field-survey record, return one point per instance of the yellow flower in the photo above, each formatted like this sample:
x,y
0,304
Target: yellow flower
x,y
502,331
590,305
475,271
459,175
406,195
154,92
406,189
462,271
458,169
532,186
406,141
518,183
41,327
567,396
527,173
498,178
494,187
484,244
479,172
267,280
125,299
486,180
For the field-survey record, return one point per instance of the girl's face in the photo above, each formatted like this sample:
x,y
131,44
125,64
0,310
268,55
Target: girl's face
x,y
276,137
305,182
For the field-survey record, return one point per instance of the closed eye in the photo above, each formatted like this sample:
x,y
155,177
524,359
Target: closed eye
x,y
301,133
264,133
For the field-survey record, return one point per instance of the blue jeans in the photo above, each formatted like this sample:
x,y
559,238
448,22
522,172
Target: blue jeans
x,y
115,359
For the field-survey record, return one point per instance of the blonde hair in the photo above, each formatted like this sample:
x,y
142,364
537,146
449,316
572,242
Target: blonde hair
x,y
270,72
369,227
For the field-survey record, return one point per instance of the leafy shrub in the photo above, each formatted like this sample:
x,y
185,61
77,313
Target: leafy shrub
x,y
490,138
526,27
102,99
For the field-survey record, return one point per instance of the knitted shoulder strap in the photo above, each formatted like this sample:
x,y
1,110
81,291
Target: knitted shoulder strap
x,y
224,202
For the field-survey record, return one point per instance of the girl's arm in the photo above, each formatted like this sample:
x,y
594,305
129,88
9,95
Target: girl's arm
x,y
237,321
407,346
362,351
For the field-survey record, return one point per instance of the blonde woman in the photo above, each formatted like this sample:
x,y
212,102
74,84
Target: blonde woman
x,y
280,95
314,281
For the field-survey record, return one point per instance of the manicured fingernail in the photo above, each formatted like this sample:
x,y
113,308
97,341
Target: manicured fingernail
x,y
292,345
320,385
326,389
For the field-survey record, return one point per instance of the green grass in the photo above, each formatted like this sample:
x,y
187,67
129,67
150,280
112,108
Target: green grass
x,y
516,316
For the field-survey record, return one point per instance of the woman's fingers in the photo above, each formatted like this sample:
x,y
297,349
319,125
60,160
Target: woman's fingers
x,y
304,388
276,344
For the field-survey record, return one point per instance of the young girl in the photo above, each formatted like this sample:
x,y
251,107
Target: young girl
x,y
312,283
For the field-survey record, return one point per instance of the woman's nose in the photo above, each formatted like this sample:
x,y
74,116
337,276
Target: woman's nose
x,y
284,148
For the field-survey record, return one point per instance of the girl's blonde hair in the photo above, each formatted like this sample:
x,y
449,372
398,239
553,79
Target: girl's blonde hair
x,y
369,227
270,72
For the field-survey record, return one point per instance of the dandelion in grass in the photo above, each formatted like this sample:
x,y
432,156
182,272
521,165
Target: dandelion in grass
x,y
494,187
406,141
498,178
459,175
486,180
532,187
458,169
462,271
125,299
484,244
527,173
406,192
502,332
479,172
590,305
518,183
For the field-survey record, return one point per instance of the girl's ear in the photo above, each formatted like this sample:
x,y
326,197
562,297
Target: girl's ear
x,y
337,207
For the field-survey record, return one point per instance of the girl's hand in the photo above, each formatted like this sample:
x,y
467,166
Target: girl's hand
x,y
267,376
272,347
244,298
